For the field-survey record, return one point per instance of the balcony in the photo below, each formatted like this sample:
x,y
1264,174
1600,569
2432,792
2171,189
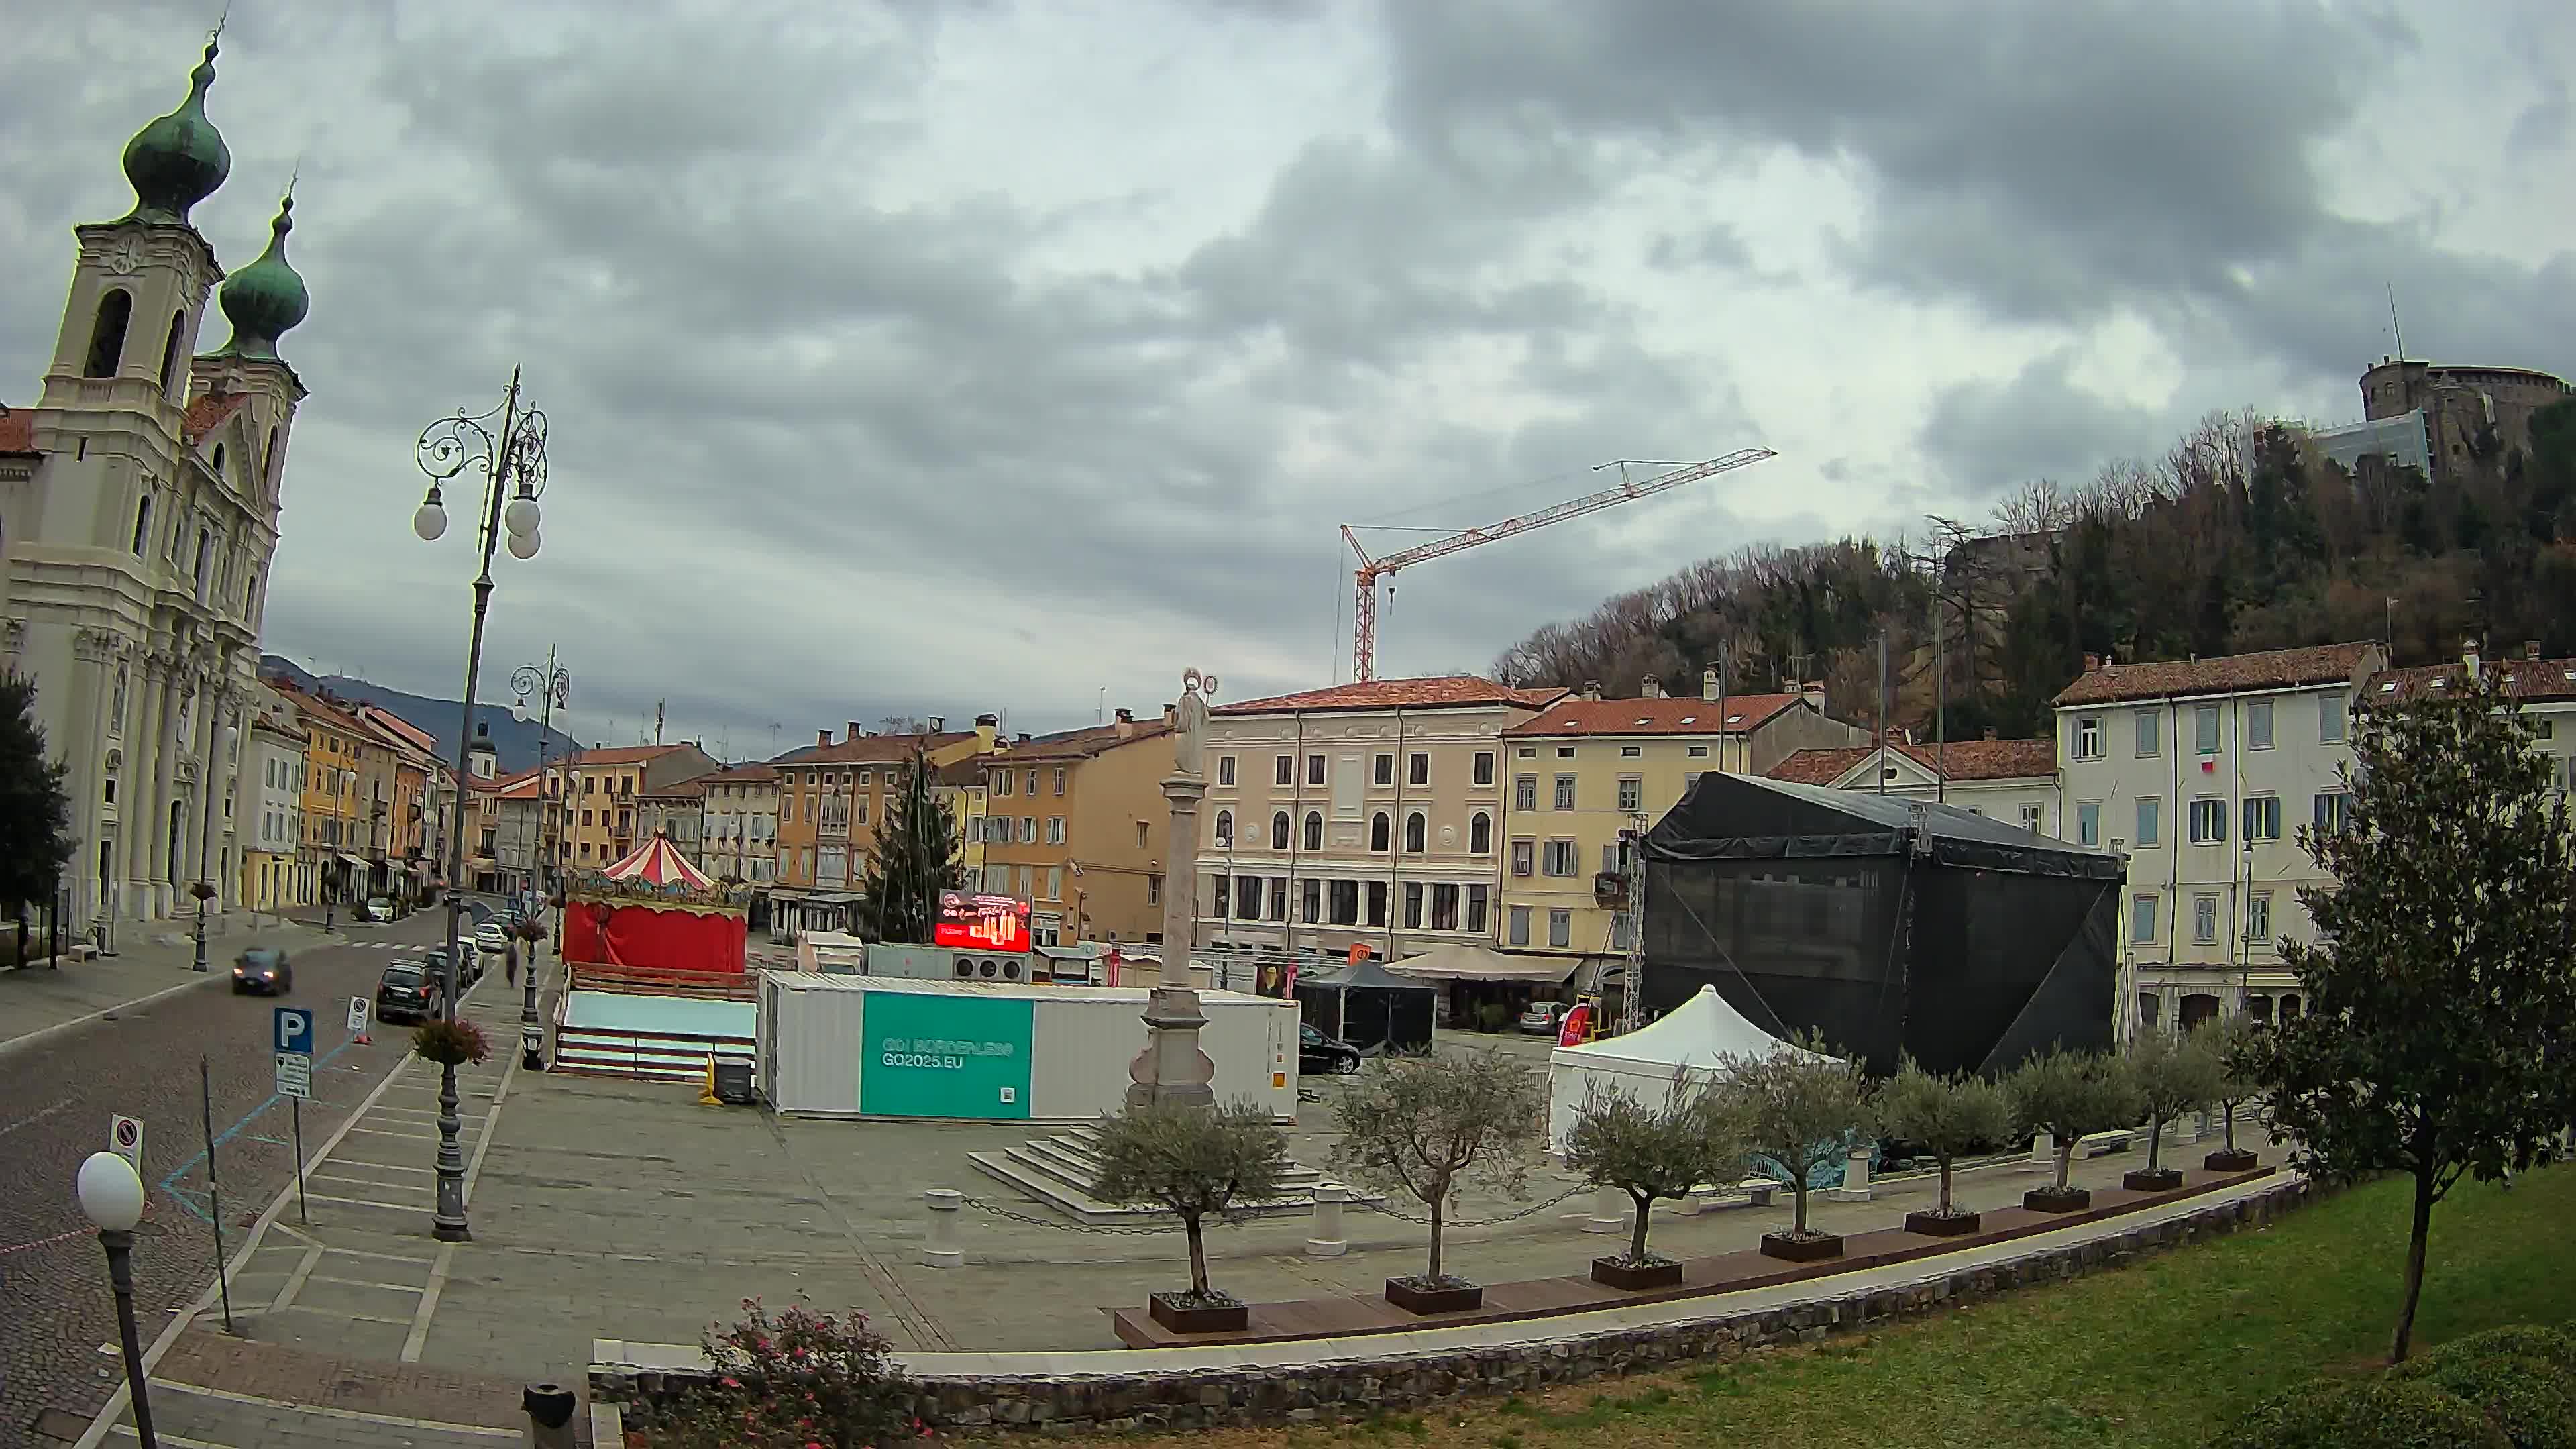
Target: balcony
x,y
1610,890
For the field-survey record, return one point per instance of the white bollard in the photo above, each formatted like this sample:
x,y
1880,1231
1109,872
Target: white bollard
x,y
1855,1186
1610,1209
1327,1240
2186,1129
941,1250
2043,1151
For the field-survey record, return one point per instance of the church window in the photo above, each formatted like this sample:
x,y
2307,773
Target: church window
x,y
170,352
268,463
142,524
107,335
219,460
205,553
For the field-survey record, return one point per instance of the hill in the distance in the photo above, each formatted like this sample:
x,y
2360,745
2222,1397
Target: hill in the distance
x,y
514,741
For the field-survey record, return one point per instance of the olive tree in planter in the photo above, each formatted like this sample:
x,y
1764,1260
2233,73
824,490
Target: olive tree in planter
x,y
1194,1162
1427,1126
2068,1094
2172,1077
1803,1105
2236,1044
1946,1117
1699,1134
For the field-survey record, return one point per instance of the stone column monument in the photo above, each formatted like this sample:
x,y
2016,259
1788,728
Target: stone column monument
x,y
1172,1068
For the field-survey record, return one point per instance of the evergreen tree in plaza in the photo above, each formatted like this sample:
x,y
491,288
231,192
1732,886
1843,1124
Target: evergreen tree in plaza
x,y
917,856
2441,1006
35,818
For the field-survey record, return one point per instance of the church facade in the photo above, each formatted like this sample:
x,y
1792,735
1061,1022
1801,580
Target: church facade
x,y
139,503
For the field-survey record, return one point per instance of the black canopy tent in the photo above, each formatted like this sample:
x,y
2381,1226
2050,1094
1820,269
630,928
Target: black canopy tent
x,y
1370,1007
1892,926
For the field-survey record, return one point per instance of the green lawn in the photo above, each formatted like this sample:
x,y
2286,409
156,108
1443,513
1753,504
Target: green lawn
x,y
2159,1353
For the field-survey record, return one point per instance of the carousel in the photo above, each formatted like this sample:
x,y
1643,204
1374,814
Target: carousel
x,y
654,911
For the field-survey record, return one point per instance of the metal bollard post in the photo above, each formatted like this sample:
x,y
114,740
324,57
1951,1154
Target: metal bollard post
x,y
550,1409
1855,1186
1610,1208
1327,1240
941,1251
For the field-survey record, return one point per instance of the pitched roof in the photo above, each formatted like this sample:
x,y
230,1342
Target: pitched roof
x,y
749,774
1959,760
521,786
402,729
1081,744
873,749
1666,716
964,774
695,785
622,755
208,411
2524,679
1435,692
17,430
2229,674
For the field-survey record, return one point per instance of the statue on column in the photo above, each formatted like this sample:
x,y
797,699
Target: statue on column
x,y
1189,740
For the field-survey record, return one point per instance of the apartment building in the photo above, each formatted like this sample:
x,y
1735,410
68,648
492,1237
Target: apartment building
x,y
2202,771
1586,772
1366,814
2014,780
335,814
740,833
509,834
961,787
274,873
832,799
1076,824
676,812
598,798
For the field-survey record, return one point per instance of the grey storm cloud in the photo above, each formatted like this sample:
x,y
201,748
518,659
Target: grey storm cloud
x,y
898,361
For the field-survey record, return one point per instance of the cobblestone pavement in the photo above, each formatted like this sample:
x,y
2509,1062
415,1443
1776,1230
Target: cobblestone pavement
x,y
56,1095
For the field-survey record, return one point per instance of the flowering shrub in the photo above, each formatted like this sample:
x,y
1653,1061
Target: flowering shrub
x,y
450,1043
796,1380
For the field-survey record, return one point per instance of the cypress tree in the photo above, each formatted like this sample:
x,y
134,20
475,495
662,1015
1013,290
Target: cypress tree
x,y
35,817
917,855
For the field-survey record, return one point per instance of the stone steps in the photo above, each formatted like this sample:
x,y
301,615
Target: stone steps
x,y
1063,1172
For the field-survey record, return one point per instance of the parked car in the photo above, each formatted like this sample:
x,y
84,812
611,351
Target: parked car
x,y
492,937
1317,1052
1543,1018
406,992
378,908
263,969
469,963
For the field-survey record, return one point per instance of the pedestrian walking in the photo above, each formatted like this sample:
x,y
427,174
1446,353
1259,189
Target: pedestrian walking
x,y
510,969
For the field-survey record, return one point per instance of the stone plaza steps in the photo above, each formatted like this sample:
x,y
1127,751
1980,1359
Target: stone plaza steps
x,y
1063,1172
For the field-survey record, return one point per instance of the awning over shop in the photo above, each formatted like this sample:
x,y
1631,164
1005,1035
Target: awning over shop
x,y
1475,963
354,861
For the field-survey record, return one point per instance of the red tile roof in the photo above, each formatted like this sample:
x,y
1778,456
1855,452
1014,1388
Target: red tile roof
x,y
2231,674
741,775
1667,716
208,411
2525,679
622,755
1082,744
17,430
1959,760
1439,691
873,749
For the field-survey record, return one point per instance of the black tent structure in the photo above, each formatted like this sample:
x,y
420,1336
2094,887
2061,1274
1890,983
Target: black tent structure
x,y
1892,926
1370,1007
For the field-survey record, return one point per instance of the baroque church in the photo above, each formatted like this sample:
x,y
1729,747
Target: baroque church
x,y
138,512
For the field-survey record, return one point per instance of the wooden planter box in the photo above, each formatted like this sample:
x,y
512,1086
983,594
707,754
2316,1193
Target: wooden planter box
x,y
1198,1318
1456,1298
1619,1273
1802,1250
2050,1200
2224,1160
2161,1179
1938,1225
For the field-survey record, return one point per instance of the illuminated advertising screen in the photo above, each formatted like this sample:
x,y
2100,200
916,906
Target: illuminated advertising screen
x,y
981,923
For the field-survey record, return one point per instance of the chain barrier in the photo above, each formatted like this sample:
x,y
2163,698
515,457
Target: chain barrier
x,y
1447,1223
47,1242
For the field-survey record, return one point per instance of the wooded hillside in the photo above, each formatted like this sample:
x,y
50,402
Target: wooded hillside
x,y
2240,537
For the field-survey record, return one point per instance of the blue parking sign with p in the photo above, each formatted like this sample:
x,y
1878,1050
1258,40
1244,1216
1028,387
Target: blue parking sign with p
x,y
295,1030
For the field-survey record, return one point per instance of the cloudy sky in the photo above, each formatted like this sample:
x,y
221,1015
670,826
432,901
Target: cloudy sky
x,y
937,358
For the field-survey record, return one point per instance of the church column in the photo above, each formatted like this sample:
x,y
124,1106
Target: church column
x,y
138,797
173,746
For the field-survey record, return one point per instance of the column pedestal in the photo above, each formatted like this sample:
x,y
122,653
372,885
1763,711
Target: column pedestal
x,y
1172,1068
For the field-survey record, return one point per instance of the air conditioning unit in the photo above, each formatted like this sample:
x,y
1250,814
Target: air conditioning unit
x,y
1010,970
965,968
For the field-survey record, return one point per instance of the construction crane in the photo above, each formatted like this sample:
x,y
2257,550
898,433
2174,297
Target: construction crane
x,y
1364,614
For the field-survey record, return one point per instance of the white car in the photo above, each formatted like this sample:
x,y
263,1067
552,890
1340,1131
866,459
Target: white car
x,y
492,939
379,909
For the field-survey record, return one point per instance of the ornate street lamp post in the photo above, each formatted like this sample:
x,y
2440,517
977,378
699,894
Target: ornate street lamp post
x,y
111,1197
514,457
556,687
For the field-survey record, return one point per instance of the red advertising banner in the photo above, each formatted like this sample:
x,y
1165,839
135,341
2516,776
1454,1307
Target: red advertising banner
x,y
1578,1027
981,923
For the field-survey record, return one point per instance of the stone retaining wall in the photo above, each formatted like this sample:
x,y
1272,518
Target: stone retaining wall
x,y
1206,1398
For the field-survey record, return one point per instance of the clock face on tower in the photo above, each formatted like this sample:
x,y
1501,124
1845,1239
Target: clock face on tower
x,y
125,256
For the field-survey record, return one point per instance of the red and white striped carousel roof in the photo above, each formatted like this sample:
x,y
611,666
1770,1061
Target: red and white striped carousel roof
x,y
657,862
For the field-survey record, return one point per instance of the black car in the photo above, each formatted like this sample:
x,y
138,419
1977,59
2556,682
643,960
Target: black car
x,y
469,964
406,992
263,969
1317,1052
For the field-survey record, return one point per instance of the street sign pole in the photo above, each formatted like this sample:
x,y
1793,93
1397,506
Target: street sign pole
x,y
215,1189
292,1038
296,1105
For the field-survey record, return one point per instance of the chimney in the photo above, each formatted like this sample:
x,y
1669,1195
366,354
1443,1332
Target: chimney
x,y
1592,689
1708,685
822,737
2469,657
1813,691
2530,648
1023,739
2092,663
1990,732
939,724
1653,688
856,732
988,728
1126,723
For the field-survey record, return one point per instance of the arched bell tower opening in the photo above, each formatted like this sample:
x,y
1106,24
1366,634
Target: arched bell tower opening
x,y
107,333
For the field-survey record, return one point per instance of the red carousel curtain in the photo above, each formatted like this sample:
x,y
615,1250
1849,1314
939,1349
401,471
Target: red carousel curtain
x,y
639,938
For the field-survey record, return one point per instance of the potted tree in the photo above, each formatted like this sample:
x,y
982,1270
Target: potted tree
x,y
1193,1162
1425,1127
2172,1077
2068,1094
2237,1044
1946,1116
1803,1106
1653,1153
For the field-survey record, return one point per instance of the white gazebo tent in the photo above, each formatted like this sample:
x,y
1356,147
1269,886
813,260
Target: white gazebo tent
x,y
1688,1040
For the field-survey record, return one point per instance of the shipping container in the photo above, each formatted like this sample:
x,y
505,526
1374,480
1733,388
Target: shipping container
x,y
868,1046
